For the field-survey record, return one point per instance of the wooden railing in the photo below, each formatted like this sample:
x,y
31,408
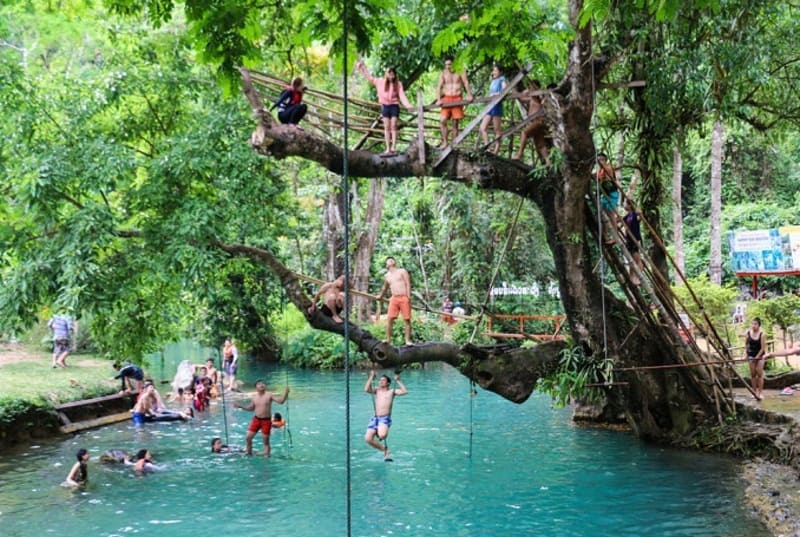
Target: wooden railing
x,y
557,320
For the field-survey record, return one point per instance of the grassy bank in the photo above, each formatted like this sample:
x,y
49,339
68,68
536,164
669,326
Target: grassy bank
x,y
30,388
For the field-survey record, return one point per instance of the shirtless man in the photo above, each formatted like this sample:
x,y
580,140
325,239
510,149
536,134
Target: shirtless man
x,y
262,417
382,420
332,294
449,90
398,280
536,129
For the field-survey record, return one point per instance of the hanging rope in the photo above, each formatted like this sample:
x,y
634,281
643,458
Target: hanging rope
x,y
222,392
286,432
599,208
472,392
346,196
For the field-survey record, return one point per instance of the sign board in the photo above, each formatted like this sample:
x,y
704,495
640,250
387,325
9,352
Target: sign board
x,y
765,250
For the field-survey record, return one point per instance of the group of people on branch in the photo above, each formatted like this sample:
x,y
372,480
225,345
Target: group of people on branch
x,y
453,91
396,280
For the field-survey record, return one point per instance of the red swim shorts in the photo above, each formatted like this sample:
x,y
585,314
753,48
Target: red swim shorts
x,y
452,112
265,424
399,304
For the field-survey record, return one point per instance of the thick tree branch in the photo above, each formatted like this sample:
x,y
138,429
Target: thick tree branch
x,y
509,372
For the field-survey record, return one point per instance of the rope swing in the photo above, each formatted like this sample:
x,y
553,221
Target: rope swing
x,y
472,391
346,195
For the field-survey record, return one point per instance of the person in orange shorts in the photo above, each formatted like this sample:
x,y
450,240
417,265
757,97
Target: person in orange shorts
x,y
399,282
450,90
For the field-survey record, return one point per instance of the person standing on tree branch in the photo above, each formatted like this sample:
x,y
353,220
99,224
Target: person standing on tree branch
x,y
390,96
450,90
399,282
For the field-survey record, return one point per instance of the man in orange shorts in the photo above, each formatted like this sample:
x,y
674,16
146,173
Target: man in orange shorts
x,y
399,282
450,90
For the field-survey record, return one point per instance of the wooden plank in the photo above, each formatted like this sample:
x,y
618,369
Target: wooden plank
x,y
63,417
98,422
86,402
477,119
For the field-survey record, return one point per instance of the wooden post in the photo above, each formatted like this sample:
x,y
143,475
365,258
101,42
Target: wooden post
x,y
420,127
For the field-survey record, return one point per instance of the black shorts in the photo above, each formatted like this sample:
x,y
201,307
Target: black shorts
x,y
390,110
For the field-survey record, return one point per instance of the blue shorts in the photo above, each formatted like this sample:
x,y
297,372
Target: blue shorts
x,y
390,110
610,201
138,418
231,368
385,420
497,110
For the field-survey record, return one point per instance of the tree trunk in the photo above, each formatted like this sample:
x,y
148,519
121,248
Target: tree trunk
x,y
662,404
365,246
715,263
333,231
677,208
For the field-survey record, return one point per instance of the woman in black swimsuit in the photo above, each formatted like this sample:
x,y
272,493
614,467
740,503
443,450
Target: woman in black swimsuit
x,y
755,347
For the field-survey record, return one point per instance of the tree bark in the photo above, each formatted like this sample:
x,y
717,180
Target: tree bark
x,y
365,246
677,208
715,262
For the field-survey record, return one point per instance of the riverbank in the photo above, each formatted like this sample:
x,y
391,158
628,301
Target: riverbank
x,y
31,387
773,491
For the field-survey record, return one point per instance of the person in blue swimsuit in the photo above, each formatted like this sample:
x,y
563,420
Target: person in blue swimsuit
x,y
495,115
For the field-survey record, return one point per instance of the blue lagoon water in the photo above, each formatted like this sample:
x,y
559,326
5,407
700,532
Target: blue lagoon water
x,y
531,473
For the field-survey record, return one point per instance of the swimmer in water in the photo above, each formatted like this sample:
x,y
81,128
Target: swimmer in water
x,y
218,447
144,461
79,474
115,455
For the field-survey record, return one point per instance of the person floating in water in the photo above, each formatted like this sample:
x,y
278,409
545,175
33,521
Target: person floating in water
x,y
218,447
383,397
278,421
261,404
79,474
115,456
144,462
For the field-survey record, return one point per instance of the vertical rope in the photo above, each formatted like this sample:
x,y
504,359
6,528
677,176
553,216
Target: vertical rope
x,y
222,391
599,208
346,194
286,432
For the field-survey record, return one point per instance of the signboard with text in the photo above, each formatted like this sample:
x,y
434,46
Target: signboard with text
x,y
765,250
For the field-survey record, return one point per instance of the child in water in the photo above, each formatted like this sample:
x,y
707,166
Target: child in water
x,y
79,474
277,420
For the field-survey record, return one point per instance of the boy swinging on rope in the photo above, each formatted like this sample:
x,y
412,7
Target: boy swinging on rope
x,y
383,397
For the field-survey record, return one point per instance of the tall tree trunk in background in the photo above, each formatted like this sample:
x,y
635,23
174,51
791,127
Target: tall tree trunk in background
x,y
677,206
715,262
365,246
333,231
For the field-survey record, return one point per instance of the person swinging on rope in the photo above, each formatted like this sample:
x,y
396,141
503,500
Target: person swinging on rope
x,y
383,397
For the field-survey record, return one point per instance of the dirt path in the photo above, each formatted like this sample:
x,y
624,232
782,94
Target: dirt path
x,y
11,353
16,352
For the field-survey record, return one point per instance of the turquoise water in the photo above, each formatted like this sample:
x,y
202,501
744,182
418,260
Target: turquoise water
x,y
531,473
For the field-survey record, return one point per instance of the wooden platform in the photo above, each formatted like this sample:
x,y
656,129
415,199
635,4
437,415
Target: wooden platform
x,y
557,320
89,413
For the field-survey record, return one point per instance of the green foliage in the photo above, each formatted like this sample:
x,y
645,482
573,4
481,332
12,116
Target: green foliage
x,y
312,348
575,371
13,410
716,301
782,311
